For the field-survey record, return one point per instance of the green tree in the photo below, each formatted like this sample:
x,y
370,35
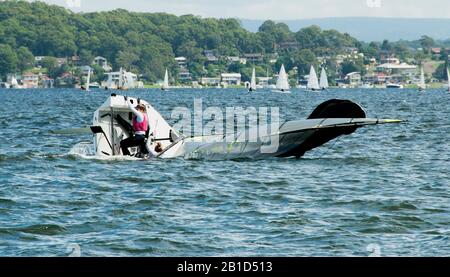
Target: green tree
x,y
303,59
127,59
426,42
49,62
441,72
25,59
386,46
86,57
349,66
8,60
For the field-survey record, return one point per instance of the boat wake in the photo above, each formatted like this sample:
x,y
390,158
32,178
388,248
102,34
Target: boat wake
x,y
83,150
86,150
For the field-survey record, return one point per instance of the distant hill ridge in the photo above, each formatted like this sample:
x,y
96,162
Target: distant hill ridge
x,y
370,28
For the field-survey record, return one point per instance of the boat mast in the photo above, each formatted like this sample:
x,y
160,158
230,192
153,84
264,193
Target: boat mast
x,y
88,81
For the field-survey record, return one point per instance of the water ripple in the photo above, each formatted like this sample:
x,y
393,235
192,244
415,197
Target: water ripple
x,y
386,185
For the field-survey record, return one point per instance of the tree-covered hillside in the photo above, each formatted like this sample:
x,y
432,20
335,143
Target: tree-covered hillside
x,y
146,42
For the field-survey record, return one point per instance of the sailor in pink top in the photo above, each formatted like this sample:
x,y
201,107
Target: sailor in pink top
x,y
140,127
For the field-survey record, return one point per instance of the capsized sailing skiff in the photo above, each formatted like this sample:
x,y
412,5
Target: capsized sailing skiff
x,y
334,118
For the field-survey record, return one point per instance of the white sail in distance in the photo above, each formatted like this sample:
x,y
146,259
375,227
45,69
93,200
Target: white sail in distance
x,y
448,79
253,81
283,82
422,84
313,81
166,80
324,79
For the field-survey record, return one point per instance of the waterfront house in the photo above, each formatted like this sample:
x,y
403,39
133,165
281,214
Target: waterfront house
x,y
121,79
206,81
264,81
353,79
231,78
66,80
47,82
30,80
377,78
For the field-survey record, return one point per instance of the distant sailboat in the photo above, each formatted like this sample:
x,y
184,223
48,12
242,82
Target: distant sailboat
x,y
282,82
88,81
422,85
165,85
253,82
324,80
313,81
448,80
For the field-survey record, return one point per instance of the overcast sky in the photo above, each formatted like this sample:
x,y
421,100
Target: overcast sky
x,y
273,9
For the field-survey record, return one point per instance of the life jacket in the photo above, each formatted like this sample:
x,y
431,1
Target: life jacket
x,y
140,126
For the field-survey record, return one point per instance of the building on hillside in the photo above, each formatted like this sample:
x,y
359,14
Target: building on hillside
x,y
377,78
183,72
287,45
75,61
85,70
397,69
436,51
61,61
184,75
254,57
235,59
181,61
231,78
351,50
103,63
210,56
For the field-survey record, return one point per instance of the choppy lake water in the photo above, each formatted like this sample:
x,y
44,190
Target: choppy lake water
x,y
385,185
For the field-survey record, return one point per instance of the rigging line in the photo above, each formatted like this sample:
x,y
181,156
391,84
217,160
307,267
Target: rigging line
x,y
329,148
